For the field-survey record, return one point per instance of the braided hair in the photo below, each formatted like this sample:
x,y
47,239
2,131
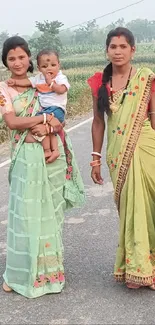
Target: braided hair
x,y
103,97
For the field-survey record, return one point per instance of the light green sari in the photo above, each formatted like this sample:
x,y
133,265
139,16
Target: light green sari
x,y
131,162
39,195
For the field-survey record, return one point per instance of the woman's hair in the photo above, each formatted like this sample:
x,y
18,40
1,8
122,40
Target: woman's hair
x,y
12,43
103,97
47,52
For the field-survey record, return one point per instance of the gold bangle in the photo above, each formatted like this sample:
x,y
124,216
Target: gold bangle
x,y
95,163
45,118
51,117
47,128
51,85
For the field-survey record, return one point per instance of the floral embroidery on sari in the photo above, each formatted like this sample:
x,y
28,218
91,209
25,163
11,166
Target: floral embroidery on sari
x,y
69,170
53,277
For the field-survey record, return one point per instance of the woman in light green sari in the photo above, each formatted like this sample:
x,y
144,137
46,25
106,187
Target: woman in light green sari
x,y
127,95
39,193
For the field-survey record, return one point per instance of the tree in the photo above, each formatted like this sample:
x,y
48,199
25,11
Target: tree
x,y
142,29
67,37
3,36
86,33
49,36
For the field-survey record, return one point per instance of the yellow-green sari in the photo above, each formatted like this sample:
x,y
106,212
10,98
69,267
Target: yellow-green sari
x,y
131,162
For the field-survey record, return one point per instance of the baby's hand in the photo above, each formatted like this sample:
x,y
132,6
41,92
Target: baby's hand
x,y
48,78
11,82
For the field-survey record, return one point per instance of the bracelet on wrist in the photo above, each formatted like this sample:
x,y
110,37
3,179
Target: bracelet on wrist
x,y
47,128
45,118
51,117
51,85
95,153
95,163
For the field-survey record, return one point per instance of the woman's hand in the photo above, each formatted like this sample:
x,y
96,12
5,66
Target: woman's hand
x,y
39,130
96,175
54,122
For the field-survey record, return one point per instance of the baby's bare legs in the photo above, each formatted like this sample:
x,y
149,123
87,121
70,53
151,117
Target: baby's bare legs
x,y
47,146
50,146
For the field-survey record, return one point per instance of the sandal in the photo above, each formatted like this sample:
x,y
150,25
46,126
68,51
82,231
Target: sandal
x,y
6,288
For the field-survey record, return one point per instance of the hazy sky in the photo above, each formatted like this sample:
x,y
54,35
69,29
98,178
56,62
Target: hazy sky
x,y
19,16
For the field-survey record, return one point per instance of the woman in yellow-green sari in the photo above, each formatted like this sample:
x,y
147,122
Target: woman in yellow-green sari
x,y
127,95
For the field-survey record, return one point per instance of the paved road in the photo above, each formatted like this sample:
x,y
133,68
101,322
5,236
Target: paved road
x,y
91,295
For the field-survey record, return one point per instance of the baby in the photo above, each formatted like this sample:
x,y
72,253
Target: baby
x,y
52,86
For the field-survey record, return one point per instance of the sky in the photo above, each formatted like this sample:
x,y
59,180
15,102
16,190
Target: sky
x,y
19,16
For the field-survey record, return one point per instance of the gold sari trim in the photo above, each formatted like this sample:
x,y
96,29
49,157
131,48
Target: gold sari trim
x,y
132,140
130,278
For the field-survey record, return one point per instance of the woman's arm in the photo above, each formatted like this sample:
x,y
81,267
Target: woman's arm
x,y
152,106
41,129
98,127
14,122
19,82
20,123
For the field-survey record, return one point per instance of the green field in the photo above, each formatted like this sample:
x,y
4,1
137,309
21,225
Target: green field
x,y
78,66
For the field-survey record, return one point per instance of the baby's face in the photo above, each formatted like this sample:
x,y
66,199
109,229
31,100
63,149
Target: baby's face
x,y
49,64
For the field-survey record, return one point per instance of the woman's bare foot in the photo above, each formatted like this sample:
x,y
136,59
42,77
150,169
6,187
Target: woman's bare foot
x,y
6,288
152,287
54,155
132,286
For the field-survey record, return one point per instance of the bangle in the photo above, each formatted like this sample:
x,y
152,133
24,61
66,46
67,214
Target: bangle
x,y
95,163
94,153
44,115
51,116
51,85
47,128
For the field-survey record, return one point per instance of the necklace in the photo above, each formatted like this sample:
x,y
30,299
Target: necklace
x,y
125,88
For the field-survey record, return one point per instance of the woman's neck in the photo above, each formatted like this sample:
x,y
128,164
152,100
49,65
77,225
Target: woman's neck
x,y
121,70
24,76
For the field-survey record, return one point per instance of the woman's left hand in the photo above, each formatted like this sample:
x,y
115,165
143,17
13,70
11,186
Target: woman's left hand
x,y
39,130
55,124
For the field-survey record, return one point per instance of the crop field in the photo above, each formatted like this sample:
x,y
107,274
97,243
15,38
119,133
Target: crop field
x,y
80,62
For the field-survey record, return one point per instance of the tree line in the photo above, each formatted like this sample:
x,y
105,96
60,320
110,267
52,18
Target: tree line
x,y
51,34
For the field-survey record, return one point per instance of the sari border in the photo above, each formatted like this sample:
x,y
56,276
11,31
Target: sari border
x,y
21,141
141,280
132,140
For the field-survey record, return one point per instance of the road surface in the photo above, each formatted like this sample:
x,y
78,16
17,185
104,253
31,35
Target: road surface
x,y
91,295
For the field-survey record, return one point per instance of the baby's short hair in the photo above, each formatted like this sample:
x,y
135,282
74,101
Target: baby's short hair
x,y
47,52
